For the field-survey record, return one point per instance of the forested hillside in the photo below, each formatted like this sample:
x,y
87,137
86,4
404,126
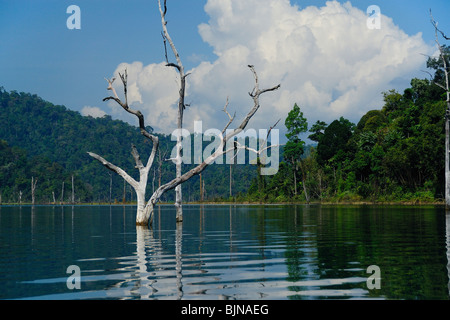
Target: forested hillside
x,y
50,143
392,154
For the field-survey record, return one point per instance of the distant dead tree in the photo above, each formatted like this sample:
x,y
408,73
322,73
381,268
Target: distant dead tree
x,y
73,192
145,209
443,56
62,194
33,190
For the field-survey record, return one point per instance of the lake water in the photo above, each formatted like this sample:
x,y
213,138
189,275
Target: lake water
x,y
224,252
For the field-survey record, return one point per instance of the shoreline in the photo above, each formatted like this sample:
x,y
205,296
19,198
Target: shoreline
x,y
324,203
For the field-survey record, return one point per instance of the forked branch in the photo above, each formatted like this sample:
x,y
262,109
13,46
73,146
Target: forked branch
x,y
444,60
435,24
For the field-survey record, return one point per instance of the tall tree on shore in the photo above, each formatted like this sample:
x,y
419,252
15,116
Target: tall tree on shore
x,y
317,131
296,124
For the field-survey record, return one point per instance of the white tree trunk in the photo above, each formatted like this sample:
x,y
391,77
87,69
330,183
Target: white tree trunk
x,y
178,192
140,214
73,192
145,212
33,190
181,107
62,193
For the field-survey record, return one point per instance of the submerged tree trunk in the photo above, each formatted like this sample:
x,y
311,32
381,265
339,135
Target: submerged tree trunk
x,y
33,190
145,211
139,187
181,107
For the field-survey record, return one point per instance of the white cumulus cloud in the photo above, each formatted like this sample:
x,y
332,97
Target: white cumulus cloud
x,y
94,112
325,58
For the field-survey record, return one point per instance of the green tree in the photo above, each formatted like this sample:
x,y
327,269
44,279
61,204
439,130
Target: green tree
x,y
296,124
317,131
334,140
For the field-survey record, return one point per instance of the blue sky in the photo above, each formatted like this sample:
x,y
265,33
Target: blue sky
x,y
39,54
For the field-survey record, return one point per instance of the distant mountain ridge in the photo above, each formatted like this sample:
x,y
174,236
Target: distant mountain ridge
x,y
49,135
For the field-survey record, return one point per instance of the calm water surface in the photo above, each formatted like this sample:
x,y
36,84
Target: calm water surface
x,y
224,252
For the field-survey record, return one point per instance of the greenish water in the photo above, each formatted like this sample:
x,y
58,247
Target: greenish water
x,y
224,252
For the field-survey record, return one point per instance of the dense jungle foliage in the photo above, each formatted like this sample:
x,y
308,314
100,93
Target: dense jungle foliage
x,y
392,154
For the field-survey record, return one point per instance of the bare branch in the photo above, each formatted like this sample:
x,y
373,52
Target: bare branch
x,y
255,94
115,169
434,82
259,151
435,24
165,46
124,78
137,158
170,64
167,37
268,133
263,147
442,54
151,159
126,107
231,118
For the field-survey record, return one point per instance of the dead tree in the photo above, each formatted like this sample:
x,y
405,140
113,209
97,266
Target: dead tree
x,y
223,149
145,210
181,105
62,193
33,190
73,192
445,87
141,185
110,187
